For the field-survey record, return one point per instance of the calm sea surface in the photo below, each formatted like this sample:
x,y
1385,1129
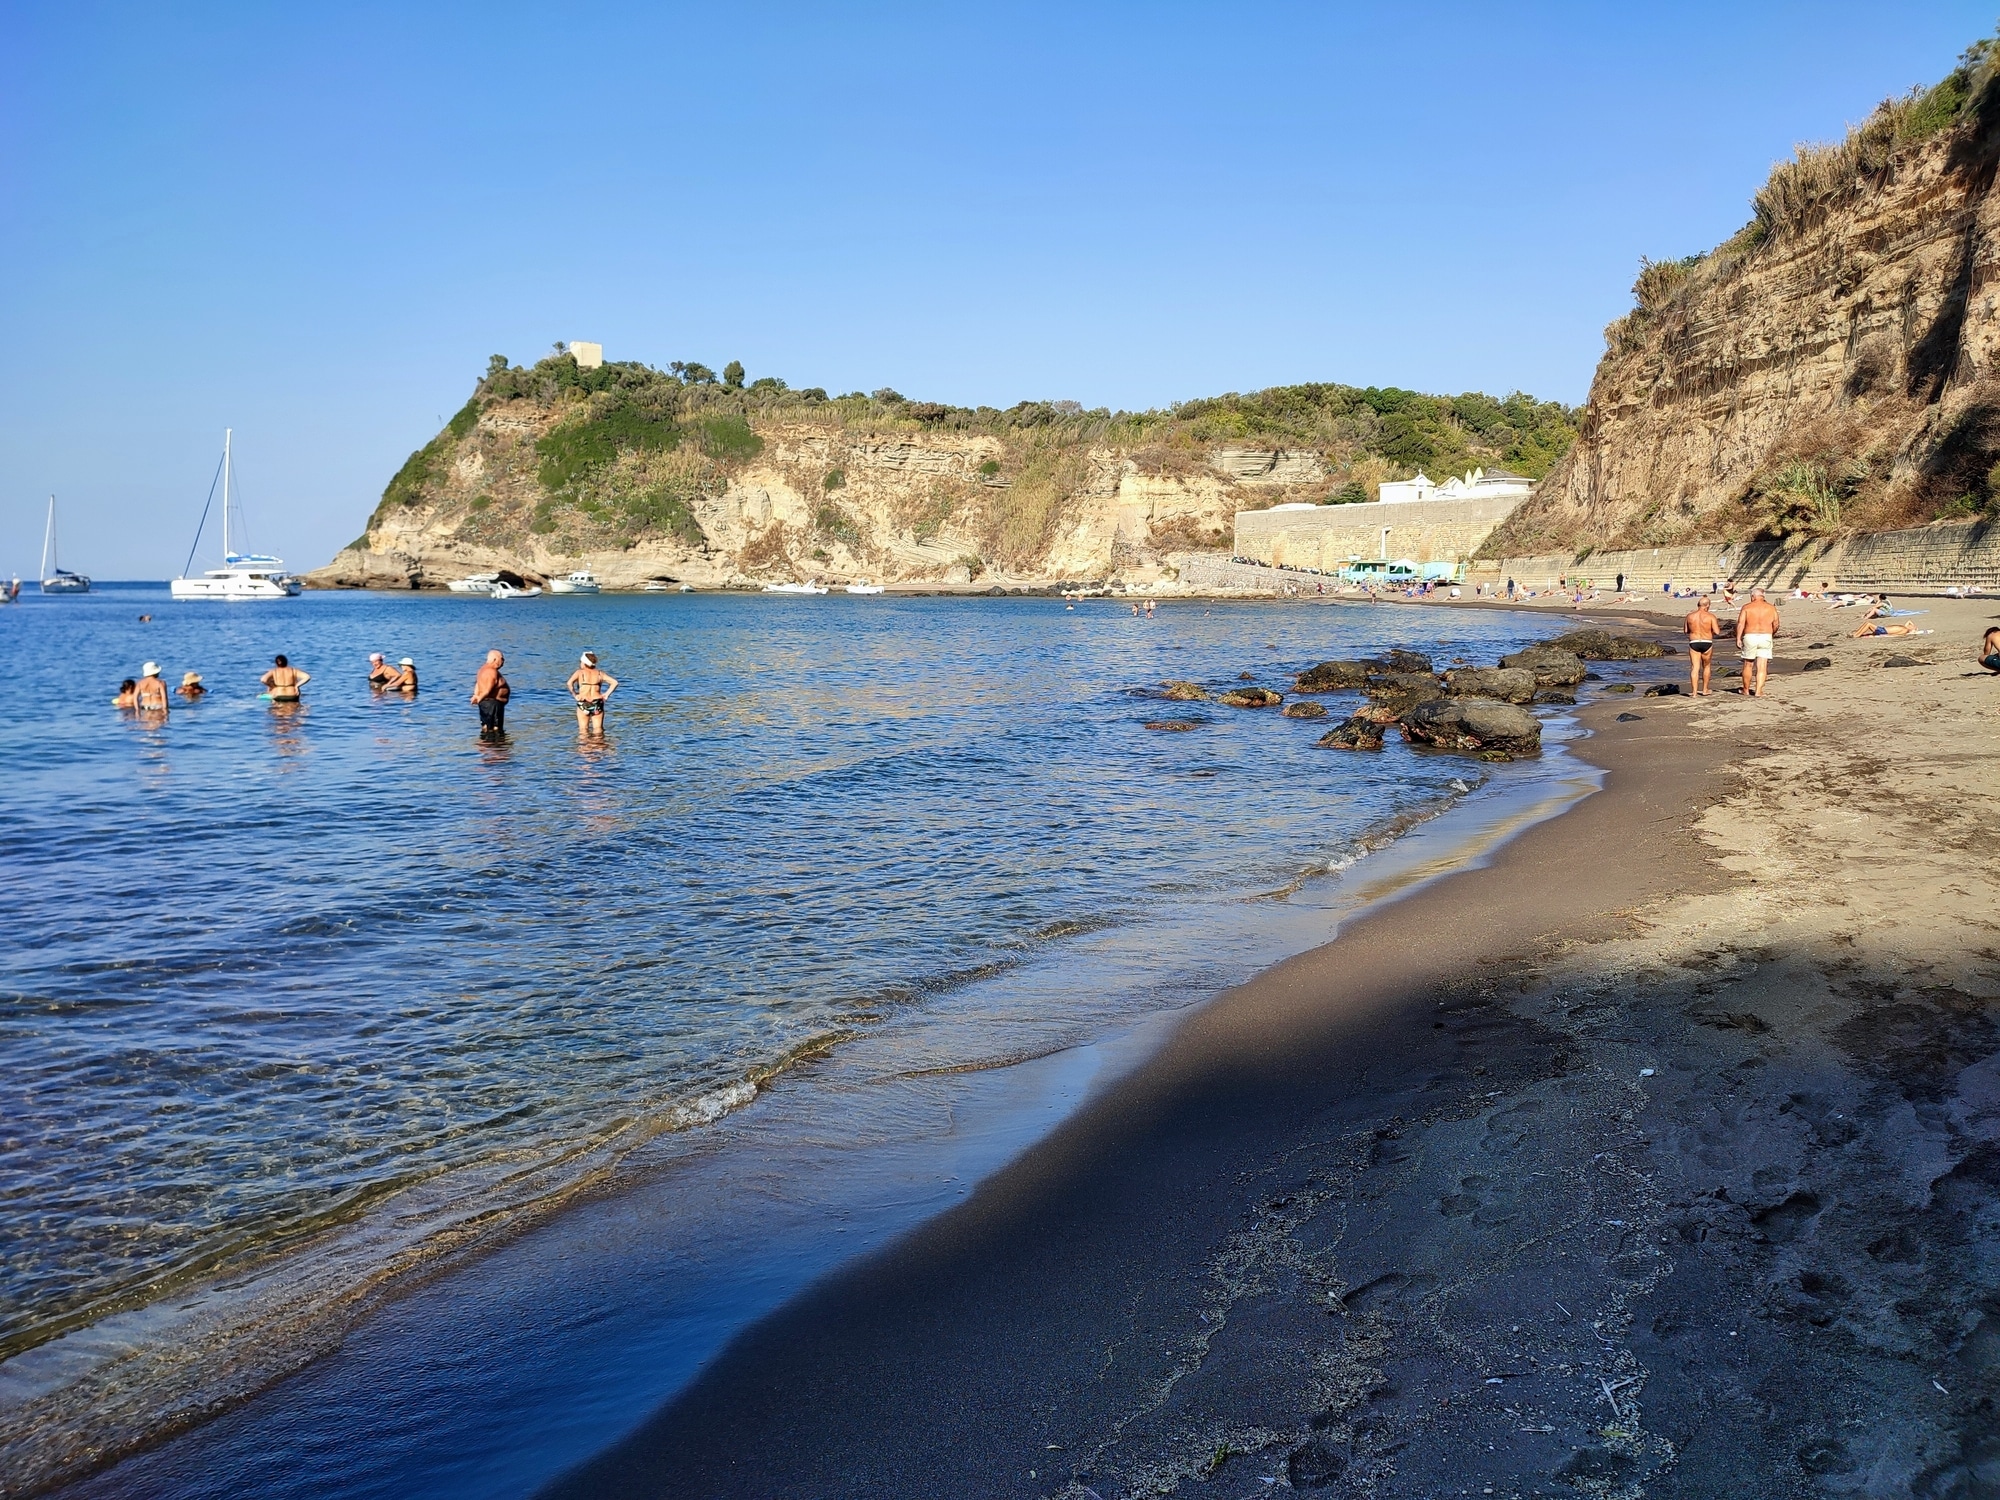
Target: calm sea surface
x,y
263,967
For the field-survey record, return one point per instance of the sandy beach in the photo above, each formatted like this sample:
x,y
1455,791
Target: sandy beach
x,y
1660,1156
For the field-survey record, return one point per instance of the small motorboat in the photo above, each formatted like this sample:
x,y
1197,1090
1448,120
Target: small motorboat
x,y
508,591
477,583
864,588
582,581
795,588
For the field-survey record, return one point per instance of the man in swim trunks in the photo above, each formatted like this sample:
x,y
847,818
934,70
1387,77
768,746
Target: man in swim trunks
x,y
489,695
1756,630
590,688
1989,649
283,681
150,695
1702,627
380,673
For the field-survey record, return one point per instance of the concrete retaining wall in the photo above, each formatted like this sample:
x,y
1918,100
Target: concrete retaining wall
x,y
1327,536
1924,559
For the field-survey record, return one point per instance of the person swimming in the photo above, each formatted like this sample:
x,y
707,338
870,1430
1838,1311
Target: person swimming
x,y
125,691
283,681
191,687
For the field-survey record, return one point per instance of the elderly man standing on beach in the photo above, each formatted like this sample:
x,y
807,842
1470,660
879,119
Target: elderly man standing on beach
x,y
1756,630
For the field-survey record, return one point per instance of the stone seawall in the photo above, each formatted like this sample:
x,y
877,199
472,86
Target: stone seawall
x,y
1326,536
1925,559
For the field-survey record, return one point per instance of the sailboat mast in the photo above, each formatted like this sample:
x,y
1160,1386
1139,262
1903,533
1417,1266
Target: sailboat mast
x,y
226,432
49,537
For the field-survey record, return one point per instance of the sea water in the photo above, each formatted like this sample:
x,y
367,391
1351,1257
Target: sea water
x,y
271,969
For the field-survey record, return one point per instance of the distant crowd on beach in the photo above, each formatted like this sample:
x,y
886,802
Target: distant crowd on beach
x,y
589,686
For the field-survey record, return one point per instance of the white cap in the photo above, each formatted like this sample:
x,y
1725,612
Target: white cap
x,y
406,662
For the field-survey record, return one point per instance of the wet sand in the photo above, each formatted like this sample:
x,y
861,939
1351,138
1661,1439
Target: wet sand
x,y
1660,1156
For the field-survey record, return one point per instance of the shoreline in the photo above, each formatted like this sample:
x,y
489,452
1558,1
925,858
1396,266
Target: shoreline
x,y
297,1341
1591,1169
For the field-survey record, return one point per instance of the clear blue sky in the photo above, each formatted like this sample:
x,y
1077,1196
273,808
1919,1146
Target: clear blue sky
x,y
314,223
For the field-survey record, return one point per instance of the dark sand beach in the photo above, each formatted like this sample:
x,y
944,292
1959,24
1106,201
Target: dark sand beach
x,y
1659,1156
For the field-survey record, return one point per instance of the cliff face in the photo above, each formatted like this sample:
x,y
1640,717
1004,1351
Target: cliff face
x,y
639,474
1834,368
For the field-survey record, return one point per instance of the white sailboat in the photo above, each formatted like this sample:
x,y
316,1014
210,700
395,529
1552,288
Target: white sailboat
x,y
61,581
243,575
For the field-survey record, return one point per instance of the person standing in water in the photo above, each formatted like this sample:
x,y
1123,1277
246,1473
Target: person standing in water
x,y
406,678
380,673
150,696
1702,628
283,681
489,695
125,691
590,687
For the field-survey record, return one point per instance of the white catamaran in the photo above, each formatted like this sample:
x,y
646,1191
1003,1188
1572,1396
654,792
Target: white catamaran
x,y
61,581
246,575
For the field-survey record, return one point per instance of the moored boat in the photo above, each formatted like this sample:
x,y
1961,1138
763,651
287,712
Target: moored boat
x,y
582,581
863,588
508,591
243,575
795,588
474,583
61,580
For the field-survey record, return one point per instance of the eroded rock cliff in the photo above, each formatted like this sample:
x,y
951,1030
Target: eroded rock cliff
x,y
1835,367
639,474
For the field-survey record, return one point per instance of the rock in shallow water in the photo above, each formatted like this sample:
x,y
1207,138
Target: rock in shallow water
x,y
1474,724
1173,726
1251,697
1552,666
1400,660
1356,733
1332,676
1508,684
1183,692
1602,645
1305,710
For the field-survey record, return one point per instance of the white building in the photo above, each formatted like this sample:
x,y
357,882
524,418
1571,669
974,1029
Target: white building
x,y
1479,484
1400,491
587,356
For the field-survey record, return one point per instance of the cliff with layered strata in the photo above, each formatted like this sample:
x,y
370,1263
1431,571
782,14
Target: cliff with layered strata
x,y
640,474
1833,369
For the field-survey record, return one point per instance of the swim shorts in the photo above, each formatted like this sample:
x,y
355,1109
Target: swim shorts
x,y
1756,647
492,716
592,706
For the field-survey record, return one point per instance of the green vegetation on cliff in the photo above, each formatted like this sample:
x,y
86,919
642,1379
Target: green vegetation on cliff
x,y
629,450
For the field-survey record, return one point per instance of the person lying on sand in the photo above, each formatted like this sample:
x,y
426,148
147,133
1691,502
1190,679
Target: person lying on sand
x,y
1702,627
1905,629
1989,650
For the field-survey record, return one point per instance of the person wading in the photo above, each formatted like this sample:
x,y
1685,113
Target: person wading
x,y
380,673
283,681
1756,629
489,695
590,688
149,696
1702,628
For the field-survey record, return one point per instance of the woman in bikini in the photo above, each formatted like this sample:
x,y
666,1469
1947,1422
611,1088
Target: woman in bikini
x,y
283,681
590,688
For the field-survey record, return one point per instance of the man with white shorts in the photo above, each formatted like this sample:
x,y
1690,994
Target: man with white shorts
x,y
1756,630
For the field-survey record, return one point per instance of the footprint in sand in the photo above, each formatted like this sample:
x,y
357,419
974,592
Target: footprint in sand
x,y
1480,1199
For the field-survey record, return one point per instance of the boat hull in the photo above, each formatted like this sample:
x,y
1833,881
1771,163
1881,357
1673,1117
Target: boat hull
x,y
71,583
232,589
